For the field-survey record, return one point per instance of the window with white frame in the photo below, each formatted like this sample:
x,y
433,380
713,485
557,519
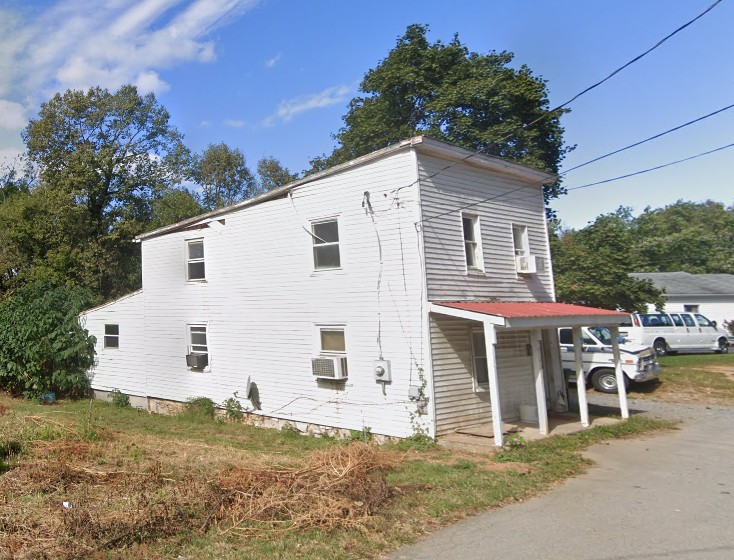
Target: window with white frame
x,y
520,240
332,342
325,236
472,241
112,336
195,267
479,360
198,346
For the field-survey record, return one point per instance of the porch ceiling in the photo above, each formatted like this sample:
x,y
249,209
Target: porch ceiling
x,y
527,315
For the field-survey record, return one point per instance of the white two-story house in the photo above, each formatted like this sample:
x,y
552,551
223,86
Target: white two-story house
x,y
409,290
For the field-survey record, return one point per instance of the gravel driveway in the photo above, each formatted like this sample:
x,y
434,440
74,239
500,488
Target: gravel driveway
x,y
663,496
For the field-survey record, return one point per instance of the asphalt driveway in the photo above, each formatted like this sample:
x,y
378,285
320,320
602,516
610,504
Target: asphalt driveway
x,y
665,496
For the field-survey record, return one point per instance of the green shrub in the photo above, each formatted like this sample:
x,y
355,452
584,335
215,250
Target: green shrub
x,y
233,409
417,442
200,407
43,348
364,435
118,398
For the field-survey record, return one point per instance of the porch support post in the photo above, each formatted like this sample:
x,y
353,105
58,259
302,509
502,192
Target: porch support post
x,y
490,341
536,338
580,377
621,386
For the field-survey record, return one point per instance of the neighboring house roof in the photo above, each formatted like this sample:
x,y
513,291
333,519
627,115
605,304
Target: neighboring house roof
x,y
687,284
530,314
424,144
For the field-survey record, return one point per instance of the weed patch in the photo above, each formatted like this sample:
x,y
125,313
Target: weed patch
x,y
166,486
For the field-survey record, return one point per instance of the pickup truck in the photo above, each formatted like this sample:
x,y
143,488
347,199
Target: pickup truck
x,y
639,363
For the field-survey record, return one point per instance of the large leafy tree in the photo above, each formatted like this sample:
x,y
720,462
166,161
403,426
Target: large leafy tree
x,y
103,157
272,174
446,91
224,176
695,237
591,266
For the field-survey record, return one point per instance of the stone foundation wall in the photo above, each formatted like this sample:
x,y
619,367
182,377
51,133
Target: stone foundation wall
x,y
168,407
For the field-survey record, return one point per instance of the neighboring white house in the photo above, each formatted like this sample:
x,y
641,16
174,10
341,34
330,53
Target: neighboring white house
x,y
711,295
410,289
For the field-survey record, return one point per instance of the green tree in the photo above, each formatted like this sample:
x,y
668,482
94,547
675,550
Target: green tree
x,y
174,205
272,174
448,92
15,177
104,157
224,176
695,237
42,345
591,266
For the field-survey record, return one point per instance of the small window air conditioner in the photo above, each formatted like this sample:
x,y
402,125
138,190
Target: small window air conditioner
x,y
525,264
329,367
197,361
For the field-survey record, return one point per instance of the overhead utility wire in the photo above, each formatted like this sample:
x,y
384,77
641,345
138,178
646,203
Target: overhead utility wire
x,y
651,168
618,70
575,97
648,139
505,194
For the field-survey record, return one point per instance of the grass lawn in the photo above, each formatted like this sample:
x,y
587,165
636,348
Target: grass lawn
x,y
695,378
92,480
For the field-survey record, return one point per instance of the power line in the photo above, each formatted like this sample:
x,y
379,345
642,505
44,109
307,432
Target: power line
x,y
651,168
638,57
506,194
574,98
648,139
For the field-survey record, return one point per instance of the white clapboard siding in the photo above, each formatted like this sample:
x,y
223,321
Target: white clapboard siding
x,y
262,301
457,405
120,368
515,372
442,198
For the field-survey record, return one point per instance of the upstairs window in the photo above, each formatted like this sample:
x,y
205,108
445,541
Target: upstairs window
x,y
520,240
112,336
195,268
325,235
472,242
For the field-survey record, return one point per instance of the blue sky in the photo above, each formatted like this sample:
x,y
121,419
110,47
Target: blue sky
x,y
274,77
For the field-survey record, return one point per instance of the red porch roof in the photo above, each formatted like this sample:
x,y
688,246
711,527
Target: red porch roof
x,y
529,309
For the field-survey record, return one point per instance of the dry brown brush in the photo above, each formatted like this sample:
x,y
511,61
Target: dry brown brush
x,y
62,508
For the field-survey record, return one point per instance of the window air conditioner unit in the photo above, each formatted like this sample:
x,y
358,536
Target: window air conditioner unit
x,y
197,361
525,264
329,367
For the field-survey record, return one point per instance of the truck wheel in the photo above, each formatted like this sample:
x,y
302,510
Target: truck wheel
x,y
723,346
660,347
604,380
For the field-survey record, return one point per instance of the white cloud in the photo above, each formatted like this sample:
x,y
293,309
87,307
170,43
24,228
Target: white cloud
x,y
71,45
292,107
205,123
235,123
13,115
9,157
269,63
